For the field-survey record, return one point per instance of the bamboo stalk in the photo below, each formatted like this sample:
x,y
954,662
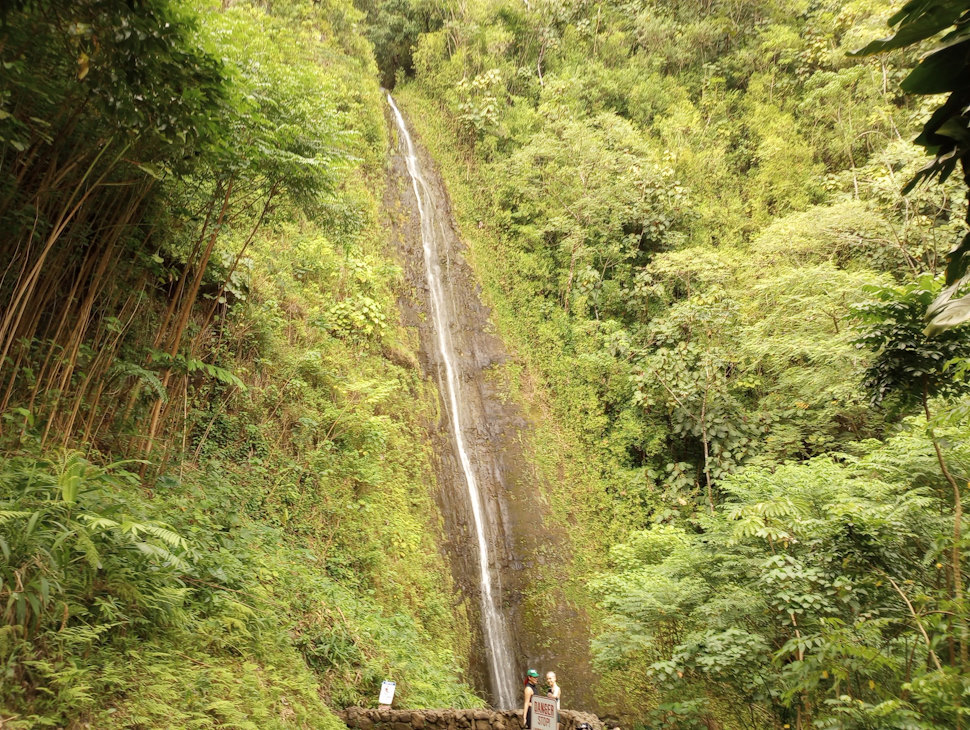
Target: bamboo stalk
x,y
187,305
103,256
24,289
98,367
222,288
172,304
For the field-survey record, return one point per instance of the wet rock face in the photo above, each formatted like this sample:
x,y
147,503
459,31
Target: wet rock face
x,y
358,718
525,550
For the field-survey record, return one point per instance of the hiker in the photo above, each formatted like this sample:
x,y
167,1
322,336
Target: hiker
x,y
531,677
553,691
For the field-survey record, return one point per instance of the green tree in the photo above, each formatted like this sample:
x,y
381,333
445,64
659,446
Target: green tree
x,y
807,600
394,27
946,134
913,367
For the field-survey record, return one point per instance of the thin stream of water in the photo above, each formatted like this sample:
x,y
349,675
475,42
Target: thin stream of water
x,y
495,630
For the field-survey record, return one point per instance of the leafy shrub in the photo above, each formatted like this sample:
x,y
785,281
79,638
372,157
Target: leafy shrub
x,y
74,553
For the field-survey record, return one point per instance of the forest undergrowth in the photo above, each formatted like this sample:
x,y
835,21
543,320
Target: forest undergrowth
x,y
689,222
215,500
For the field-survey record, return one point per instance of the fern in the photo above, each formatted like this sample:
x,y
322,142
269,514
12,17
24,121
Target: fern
x,y
166,557
89,549
122,369
156,530
97,522
181,364
60,533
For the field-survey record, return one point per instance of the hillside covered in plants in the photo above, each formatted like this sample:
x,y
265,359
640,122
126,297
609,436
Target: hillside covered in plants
x,y
740,343
689,219
214,509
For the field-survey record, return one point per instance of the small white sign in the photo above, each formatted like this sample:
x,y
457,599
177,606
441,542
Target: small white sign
x,y
544,713
387,693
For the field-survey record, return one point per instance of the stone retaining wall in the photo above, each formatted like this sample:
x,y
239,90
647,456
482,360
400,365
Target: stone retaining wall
x,y
358,718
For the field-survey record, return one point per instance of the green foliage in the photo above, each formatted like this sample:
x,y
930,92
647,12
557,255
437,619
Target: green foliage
x,y
907,364
675,208
946,134
84,572
478,110
179,363
943,71
688,373
74,554
275,555
393,26
793,597
125,369
152,147
592,203
62,53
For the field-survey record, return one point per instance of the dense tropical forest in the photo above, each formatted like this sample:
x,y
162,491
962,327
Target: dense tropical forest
x,y
214,513
739,340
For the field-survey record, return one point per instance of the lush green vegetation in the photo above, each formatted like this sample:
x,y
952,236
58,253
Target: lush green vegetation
x,y
945,133
689,220
214,502
214,497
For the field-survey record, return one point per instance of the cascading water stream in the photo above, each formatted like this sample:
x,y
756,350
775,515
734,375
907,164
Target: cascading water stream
x,y
496,633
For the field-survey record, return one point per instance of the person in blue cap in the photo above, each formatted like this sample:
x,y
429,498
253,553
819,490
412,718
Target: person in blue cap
x,y
531,677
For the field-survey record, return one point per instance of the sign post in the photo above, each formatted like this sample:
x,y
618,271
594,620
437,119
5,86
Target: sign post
x,y
387,694
545,713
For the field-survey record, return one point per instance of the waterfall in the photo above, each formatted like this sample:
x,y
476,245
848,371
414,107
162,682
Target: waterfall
x,y
495,631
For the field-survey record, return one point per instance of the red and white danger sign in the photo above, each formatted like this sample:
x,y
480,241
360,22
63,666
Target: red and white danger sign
x,y
544,713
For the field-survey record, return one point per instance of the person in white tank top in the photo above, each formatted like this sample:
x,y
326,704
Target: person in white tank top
x,y
554,691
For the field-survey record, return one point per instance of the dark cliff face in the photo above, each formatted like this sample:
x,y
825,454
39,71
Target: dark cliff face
x,y
528,554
